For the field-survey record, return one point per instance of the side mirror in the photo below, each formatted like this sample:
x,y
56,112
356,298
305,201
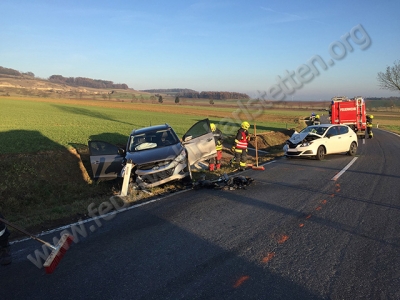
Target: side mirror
x,y
328,135
121,151
187,138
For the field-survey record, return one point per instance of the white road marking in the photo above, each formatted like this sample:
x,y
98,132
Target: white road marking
x,y
344,169
103,216
394,133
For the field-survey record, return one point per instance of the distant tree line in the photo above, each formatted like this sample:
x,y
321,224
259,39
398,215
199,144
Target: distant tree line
x,y
169,91
188,93
383,98
7,71
215,95
12,72
389,102
87,82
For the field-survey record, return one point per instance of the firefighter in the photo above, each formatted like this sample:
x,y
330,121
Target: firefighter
x,y
215,162
312,118
5,254
316,120
369,126
240,148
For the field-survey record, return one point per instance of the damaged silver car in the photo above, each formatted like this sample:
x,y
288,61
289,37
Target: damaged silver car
x,y
157,154
320,140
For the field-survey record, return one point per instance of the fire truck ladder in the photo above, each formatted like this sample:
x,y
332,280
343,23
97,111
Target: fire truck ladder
x,y
359,104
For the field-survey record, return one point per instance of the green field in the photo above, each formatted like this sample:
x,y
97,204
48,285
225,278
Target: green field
x,y
32,125
387,120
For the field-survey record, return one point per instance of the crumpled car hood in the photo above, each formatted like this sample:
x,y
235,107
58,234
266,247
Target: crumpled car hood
x,y
298,137
155,155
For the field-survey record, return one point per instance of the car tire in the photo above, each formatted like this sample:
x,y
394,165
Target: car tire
x,y
353,149
320,153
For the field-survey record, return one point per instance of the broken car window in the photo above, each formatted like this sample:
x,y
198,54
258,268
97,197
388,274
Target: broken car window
x,y
152,139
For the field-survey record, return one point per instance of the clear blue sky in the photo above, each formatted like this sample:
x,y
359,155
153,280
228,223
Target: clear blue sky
x,y
212,45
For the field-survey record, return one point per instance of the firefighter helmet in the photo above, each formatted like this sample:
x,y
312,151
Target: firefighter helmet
x,y
371,116
213,127
245,125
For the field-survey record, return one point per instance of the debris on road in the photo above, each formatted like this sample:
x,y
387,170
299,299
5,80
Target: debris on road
x,y
224,182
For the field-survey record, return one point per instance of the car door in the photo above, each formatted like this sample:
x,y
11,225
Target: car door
x,y
199,142
332,140
348,136
342,144
105,160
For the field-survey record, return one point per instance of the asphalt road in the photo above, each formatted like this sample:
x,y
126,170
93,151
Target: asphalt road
x,y
294,234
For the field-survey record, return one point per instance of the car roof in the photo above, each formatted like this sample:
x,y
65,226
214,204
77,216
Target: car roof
x,y
327,125
150,128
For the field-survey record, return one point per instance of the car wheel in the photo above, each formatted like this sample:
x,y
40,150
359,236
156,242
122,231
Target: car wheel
x,y
320,153
353,149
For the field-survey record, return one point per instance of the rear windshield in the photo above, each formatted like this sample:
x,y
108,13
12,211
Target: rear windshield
x,y
152,139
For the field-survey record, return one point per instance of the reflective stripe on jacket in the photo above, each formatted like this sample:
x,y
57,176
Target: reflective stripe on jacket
x,y
241,139
218,139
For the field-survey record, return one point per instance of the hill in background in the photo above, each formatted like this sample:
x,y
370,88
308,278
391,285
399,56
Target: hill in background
x,y
16,83
26,84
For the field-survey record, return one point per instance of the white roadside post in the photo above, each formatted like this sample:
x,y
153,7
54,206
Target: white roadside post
x,y
127,176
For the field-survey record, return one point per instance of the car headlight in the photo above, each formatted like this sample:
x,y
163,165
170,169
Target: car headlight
x,y
181,157
305,144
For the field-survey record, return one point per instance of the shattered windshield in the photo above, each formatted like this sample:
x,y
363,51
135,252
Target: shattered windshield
x,y
320,130
152,139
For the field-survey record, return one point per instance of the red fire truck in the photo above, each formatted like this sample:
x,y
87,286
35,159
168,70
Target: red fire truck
x,y
350,112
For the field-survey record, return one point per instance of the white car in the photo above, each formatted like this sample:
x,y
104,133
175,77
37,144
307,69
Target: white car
x,y
319,140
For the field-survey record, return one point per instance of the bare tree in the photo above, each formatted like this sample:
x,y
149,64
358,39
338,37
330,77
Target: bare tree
x,y
390,80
